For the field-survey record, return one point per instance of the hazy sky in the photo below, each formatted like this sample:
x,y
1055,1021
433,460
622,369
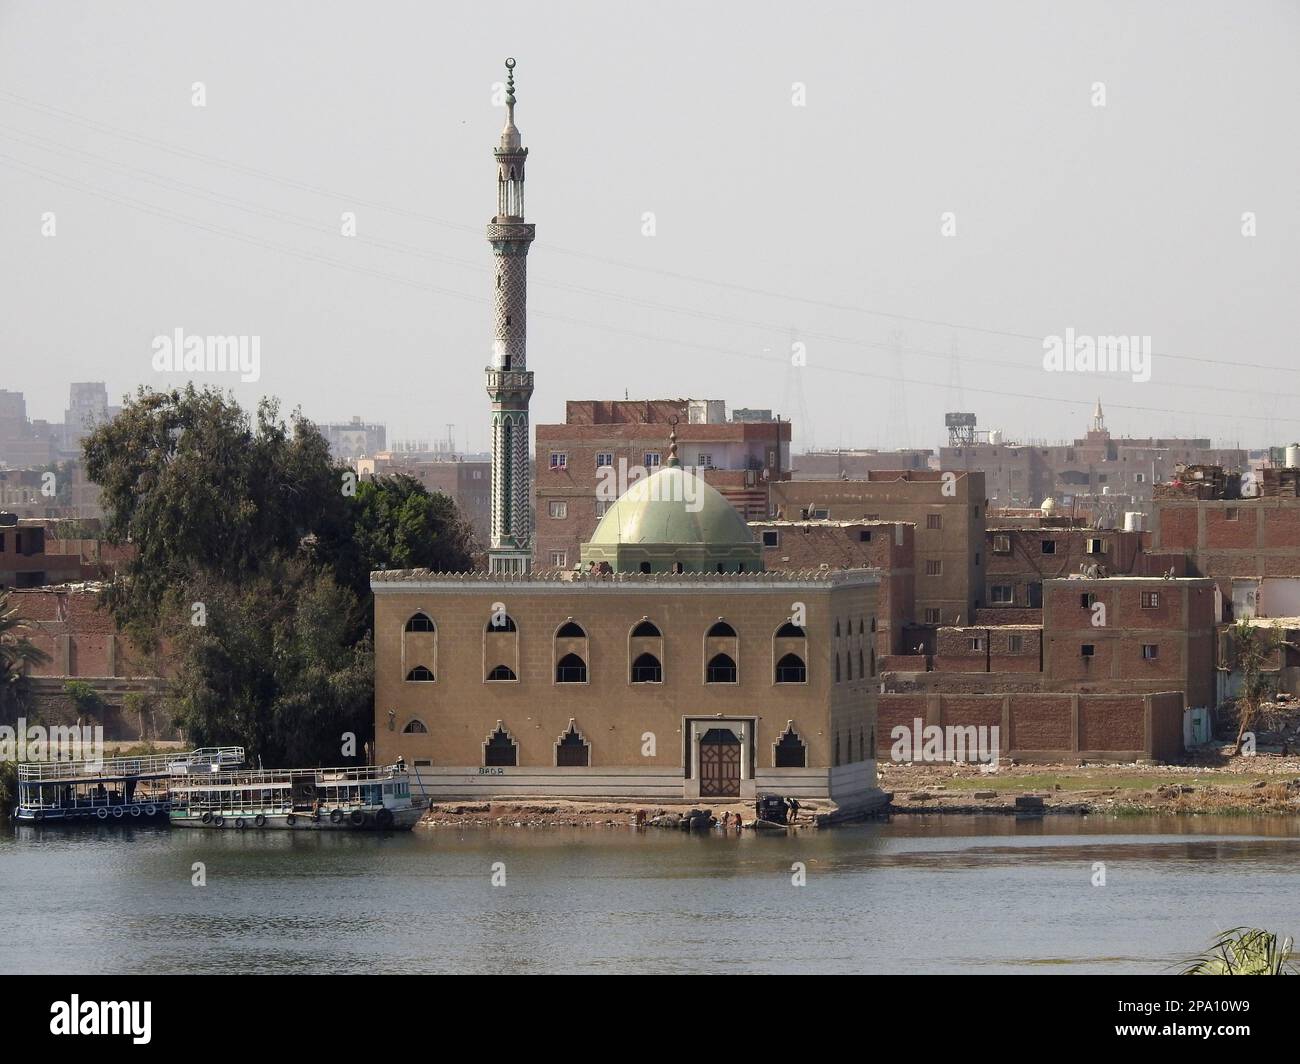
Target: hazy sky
x,y
824,218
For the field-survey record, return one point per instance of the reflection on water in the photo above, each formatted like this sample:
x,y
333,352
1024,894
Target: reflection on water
x,y
917,894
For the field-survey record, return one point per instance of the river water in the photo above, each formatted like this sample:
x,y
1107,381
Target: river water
x,y
916,894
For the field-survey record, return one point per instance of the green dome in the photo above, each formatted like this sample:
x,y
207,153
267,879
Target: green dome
x,y
673,521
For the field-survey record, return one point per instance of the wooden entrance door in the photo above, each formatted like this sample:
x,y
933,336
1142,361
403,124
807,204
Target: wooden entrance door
x,y
719,764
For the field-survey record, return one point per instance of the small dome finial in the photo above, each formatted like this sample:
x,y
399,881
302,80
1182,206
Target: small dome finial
x,y
673,461
510,82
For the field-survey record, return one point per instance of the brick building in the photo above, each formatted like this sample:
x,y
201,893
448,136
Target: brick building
x,y
886,546
587,462
1020,558
946,510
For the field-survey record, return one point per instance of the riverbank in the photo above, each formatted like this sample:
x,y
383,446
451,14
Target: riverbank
x,y
1214,783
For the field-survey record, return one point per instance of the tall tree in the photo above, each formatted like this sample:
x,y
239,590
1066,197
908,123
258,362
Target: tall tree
x,y
17,654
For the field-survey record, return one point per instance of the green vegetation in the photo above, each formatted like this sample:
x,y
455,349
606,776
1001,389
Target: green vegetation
x,y
253,554
1252,647
1245,951
89,705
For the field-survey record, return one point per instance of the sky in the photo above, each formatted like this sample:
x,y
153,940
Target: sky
x,y
859,215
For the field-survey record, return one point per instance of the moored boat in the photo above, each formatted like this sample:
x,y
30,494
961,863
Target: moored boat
x,y
131,789
362,798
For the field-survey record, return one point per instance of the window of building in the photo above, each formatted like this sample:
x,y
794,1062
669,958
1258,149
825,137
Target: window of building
x,y
559,460
721,669
934,520
559,559
646,669
1139,478
790,630
571,669
500,750
1150,651
645,567
501,674
932,616
791,669
646,628
1088,650
722,630
415,727
975,644
1230,513
821,513
604,458
1150,600
977,557
420,674
503,622
1094,546
601,506
1001,595
864,535
570,630
1049,546
419,622
771,537
652,459
1001,544
790,751
572,751
705,460
837,668
933,567
558,508
1016,643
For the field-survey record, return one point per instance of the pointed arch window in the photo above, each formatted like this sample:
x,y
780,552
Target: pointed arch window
x,y
571,669
420,674
791,751
502,673
497,625
646,669
646,629
722,630
570,630
415,727
791,669
420,622
790,630
721,669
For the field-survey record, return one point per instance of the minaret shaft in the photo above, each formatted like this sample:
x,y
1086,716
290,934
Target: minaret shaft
x,y
509,383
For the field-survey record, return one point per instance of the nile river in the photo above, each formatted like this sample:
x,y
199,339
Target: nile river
x,y
918,894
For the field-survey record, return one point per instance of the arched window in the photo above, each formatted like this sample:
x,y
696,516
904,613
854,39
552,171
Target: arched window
x,y
646,669
420,674
837,668
570,630
415,727
571,669
572,751
722,630
419,622
791,669
504,623
789,630
500,749
645,628
837,627
790,750
861,670
721,669
502,672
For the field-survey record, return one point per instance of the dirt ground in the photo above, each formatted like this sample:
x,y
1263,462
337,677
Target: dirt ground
x,y
526,813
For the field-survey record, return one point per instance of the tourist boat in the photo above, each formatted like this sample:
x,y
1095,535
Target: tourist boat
x,y
364,798
112,789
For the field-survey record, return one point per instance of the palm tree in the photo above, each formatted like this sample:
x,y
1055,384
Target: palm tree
x,y
17,652
1245,951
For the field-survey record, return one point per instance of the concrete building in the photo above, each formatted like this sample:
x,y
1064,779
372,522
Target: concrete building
x,y
855,463
603,446
351,440
696,680
947,511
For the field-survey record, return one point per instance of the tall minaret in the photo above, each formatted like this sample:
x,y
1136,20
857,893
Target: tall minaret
x,y
509,383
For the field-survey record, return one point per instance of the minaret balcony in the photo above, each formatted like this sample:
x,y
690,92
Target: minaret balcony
x,y
509,380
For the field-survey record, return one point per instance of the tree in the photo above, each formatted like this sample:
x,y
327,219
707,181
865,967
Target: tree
x,y
88,702
17,654
1252,647
1245,951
